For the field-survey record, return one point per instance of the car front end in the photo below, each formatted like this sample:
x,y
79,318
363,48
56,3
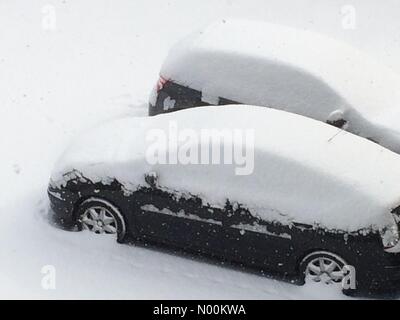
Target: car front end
x,y
63,200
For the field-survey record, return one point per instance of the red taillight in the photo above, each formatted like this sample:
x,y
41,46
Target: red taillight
x,y
160,83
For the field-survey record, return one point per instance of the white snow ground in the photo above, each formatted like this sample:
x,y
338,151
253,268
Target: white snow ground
x,y
99,61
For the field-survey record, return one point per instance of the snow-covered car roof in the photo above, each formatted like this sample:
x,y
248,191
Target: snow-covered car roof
x,y
304,170
293,70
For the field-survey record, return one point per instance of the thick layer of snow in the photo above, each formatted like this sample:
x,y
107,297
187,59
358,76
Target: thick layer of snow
x,y
100,62
290,69
304,170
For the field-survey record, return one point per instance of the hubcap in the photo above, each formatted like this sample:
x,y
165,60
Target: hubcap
x,y
99,220
324,269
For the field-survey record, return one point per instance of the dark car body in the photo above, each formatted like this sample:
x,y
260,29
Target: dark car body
x,y
183,97
236,236
307,192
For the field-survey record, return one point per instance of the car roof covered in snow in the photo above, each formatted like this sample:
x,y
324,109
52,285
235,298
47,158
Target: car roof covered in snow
x,y
294,70
304,170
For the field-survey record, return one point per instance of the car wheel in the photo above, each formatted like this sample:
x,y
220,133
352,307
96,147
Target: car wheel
x,y
101,217
323,266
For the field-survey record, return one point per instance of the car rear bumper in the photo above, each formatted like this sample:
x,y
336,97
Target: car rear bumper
x,y
174,97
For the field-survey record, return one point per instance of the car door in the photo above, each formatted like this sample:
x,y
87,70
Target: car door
x,y
248,238
232,232
182,220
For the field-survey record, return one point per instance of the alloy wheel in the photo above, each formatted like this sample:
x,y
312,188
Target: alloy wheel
x,y
325,269
99,220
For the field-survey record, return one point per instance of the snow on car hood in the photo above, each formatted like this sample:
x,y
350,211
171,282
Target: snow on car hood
x,y
304,170
293,70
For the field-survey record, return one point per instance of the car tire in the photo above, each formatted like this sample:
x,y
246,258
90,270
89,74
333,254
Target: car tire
x,y
323,266
101,217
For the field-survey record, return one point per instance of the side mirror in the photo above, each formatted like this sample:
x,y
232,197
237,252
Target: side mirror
x,y
336,119
151,179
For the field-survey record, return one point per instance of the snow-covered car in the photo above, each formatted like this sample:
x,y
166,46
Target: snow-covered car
x,y
308,201
298,71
